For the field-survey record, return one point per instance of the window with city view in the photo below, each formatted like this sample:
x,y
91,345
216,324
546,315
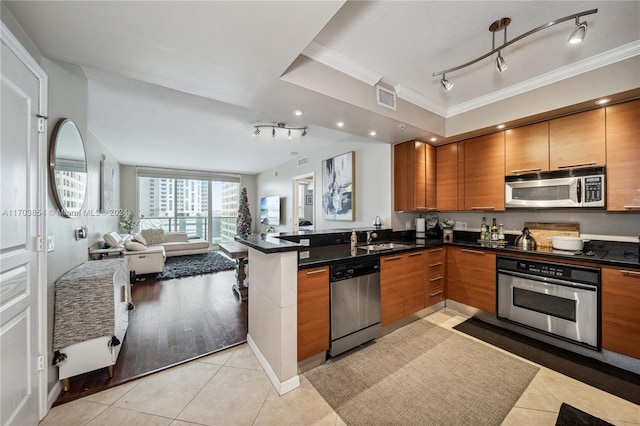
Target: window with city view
x,y
203,207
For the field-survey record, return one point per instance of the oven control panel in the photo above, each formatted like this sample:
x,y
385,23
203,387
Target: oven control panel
x,y
546,269
573,273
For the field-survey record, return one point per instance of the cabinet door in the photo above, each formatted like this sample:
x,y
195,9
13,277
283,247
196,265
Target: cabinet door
x,y
414,176
414,282
313,312
577,140
447,177
484,172
435,276
392,288
471,278
623,156
527,149
621,311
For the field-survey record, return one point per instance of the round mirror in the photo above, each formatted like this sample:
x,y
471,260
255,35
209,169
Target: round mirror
x,y
68,168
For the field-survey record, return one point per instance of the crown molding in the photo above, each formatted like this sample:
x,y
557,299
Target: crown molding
x,y
339,62
598,61
418,99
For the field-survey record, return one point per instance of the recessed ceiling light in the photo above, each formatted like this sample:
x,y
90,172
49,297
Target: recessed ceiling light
x,y
500,126
340,123
297,112
372,133
433,139
602,101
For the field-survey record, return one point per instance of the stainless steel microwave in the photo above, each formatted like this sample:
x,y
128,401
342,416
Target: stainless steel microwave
x,y
583,187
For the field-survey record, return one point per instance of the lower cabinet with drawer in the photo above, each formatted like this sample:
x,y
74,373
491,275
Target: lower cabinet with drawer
x,y
621,310
392,268
471,277
313,311
435,276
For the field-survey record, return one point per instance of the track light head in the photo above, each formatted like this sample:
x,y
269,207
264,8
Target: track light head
x,y
501,64
304,132
273,132
257,132
446,84
578,33
289,134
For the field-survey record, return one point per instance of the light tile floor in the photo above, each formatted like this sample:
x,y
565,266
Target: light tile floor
x,y
231,388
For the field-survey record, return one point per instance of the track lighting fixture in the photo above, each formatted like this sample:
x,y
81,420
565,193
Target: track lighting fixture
x,y
273,127
577,35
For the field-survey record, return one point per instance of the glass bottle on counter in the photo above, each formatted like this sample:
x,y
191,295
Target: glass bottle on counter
x,y
494,230
501,232
483,228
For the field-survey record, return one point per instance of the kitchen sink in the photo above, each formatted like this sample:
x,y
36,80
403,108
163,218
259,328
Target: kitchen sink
x,y
371,248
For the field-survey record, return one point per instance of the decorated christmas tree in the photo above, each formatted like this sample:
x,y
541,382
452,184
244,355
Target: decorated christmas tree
x,y
243,222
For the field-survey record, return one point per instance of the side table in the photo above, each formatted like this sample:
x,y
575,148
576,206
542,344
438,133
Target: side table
x,y
101,253
239,252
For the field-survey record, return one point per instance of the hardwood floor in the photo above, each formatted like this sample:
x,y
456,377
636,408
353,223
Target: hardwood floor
x,y
174,321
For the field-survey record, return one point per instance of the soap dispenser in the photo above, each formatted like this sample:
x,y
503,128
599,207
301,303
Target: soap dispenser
x,y
354,238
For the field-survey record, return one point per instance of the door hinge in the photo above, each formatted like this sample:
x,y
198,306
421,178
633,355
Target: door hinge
x,y
39,244
40,362
41,123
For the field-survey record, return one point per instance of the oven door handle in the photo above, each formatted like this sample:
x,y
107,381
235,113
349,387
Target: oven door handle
x,y
548,280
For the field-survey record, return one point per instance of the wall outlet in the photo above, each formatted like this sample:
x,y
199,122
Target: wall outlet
x,y
407,224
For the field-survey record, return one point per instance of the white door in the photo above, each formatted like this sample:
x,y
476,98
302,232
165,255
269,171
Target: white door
x,y
22,264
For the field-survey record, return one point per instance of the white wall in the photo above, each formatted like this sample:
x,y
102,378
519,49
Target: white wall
x,y
372,177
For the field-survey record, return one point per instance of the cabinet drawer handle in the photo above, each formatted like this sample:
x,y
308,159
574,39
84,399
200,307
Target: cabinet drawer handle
x,y
435,293
515,172
317,271
435,279
141,257
386,259
625,272
631,207
433,265
435,250
473,251
588,163
483,208
416,253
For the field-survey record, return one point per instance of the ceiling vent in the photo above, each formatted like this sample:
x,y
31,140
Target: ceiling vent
x,y
303,161
386,97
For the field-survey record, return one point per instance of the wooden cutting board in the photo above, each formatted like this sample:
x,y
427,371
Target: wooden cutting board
x,y
541,230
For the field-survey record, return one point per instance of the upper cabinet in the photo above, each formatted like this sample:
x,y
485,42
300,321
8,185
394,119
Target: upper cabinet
x,y
484,172
414,176
577,140
623,156
527,149
450,176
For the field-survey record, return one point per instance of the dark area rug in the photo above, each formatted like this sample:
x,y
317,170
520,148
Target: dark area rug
x,y
571,416
608,378
195,264
422,374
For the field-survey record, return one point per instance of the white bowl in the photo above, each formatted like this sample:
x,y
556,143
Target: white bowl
x,y
563,242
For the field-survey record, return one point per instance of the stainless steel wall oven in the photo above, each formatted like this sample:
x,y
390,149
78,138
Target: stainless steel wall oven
x,y
562,300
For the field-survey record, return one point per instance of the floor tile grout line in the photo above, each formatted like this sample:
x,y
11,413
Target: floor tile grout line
x,y
198,392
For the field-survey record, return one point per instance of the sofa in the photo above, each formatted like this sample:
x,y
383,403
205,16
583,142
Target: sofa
x,y
147,251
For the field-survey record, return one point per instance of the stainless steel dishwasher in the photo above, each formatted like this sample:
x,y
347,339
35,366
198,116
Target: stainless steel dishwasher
x,y
355,304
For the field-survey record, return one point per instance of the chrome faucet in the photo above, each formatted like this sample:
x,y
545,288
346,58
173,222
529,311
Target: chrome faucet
x,y
370,236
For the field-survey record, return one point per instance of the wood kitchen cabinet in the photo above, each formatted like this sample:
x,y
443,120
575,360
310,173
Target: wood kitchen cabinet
x,y
484,172
577,140
435,276
392,280
471,277
623,156
450,176
621,310
313,311
526,149
414,281
414,176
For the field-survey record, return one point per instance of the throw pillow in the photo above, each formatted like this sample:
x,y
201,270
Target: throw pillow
x,y
113,240
153,236
133,246
138,238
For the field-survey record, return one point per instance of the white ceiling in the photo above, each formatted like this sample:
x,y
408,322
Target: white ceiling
x,y
181,84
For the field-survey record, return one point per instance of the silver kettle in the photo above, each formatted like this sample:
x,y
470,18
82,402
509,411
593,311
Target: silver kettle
x,y
526,241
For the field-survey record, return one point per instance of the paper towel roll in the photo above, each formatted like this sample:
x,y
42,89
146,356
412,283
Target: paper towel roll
x,y
420,224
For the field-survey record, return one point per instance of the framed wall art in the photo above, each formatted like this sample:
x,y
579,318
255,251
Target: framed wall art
x,y
338,189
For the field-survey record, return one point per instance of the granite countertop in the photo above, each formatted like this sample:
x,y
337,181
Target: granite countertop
x,y
268,243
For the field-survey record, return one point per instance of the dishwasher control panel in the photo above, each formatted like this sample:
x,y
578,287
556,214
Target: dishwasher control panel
x,y
354,269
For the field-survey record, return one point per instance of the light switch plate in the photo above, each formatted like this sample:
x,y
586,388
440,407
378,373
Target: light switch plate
x,y
50,243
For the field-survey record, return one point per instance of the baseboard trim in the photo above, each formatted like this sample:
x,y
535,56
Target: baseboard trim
x,y
280,387
54,394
